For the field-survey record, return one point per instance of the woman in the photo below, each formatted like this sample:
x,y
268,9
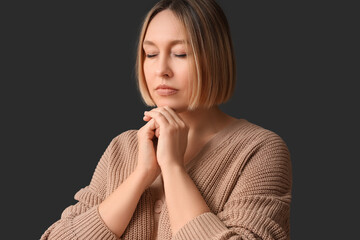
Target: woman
x,y
192,171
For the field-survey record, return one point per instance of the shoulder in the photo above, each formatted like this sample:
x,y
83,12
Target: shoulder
x,y
265,149
122,151
124,142
127,137
256,135
259,145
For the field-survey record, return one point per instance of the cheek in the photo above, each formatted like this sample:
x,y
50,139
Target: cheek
x,y
147,73
145,68
187,76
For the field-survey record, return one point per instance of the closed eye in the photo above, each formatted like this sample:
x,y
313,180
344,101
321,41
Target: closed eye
x,y
150,55
180,55
176,55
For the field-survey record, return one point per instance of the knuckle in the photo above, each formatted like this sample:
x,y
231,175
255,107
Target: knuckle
x,y
161,116
171,130
183,125
161,111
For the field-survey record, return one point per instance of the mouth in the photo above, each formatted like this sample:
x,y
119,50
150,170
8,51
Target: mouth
x,y
164,90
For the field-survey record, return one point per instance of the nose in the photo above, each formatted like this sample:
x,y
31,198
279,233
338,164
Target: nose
x,y
163,68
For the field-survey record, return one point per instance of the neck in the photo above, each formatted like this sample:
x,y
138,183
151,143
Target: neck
x,y
202,122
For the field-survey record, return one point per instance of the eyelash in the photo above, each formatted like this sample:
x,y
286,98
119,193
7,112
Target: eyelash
x,y
176,55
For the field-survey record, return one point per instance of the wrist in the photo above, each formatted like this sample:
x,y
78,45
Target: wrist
x,y
172,169
142,177
171,162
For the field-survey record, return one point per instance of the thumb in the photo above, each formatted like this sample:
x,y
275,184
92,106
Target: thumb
x,y
157,132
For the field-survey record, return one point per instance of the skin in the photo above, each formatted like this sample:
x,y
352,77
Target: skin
x,y
172,135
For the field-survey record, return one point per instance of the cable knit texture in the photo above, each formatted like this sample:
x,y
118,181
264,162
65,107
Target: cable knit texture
x,y
243,173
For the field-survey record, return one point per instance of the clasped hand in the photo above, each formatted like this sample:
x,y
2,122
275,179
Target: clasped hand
x,y
162,141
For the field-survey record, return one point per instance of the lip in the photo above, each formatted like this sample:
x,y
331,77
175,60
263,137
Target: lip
x,y
164,90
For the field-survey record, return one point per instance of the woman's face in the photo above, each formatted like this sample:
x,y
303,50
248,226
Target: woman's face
x,y
168,64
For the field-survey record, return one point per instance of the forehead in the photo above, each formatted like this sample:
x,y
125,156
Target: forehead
x,y
165,27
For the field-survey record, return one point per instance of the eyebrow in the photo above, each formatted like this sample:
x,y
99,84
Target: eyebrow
x,y
174,42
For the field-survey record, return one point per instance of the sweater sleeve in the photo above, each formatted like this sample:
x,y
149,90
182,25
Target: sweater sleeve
x,y
82,220
259,204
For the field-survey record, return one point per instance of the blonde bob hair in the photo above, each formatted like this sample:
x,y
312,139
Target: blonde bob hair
x,y
210,40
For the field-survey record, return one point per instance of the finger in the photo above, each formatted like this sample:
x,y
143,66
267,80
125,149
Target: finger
x,y
158,117
146,118
154,128
166,114
157,132
148,129
151,124
175,116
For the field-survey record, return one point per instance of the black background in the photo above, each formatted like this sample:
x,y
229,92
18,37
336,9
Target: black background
x,y
68,88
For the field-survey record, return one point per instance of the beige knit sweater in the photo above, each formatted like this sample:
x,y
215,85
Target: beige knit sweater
x,y
243,173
